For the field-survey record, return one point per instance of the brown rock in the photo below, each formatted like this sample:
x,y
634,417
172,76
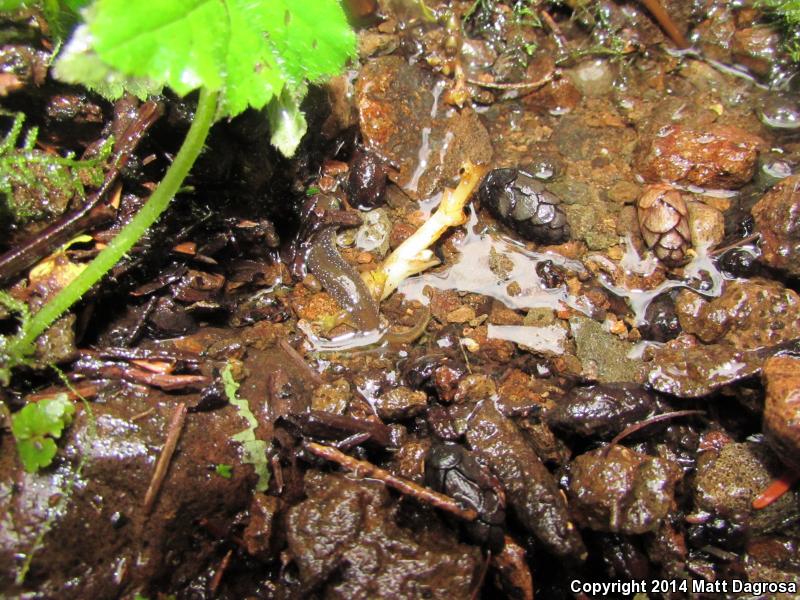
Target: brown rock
x,y
616,489
400,403
749,315
721,157
345,543
258,532
463,314
686,368
777,217
706,224
756,48
781,376
400,122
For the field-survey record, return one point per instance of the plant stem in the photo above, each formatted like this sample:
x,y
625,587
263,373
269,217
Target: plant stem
x,y
131,233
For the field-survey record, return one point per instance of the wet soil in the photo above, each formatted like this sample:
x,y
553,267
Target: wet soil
x,y
597,381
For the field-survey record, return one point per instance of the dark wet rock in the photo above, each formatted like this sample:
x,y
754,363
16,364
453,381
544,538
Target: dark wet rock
x,y
686,368
601,410
521,203
402,125
409,460
664,223
401,403
777,217
748,315
167,319
259,528
737,262
720,157
727,483
618,490
454,471
366,181
21,66
603,356
103,523
661,320
344,541
781,376
532,493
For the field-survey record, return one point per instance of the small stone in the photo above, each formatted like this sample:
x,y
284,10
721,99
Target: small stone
x,y
618,490
718,157
777,217
514,289
463,314
401,403
707,225
603,356
332,397
364,258
623,192
500,264
781,376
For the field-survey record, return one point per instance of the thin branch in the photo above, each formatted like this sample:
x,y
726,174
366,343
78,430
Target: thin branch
x,y
656,419
164,459
404,486
522,85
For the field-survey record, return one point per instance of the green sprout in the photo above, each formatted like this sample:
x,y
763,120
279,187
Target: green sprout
x,y
37,426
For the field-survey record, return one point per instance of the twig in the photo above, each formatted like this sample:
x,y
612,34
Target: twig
x,y
173,433
737,244
80,391
50,238
404,486
666,22
300,362
656,419
561,41
223,566
522,85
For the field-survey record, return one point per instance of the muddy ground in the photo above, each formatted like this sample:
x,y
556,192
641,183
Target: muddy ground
x,y
600,378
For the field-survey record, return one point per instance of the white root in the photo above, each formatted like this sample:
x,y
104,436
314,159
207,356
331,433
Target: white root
x,y
413,256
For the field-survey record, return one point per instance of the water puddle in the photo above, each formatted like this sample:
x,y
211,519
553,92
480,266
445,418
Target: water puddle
x,y
473,273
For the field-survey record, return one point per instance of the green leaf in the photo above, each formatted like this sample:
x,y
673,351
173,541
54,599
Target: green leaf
x,y
254,450
246,49
223,470
79,63
35,426
36,453
287,122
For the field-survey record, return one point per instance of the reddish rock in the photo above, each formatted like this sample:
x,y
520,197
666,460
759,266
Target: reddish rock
x,y
618,490
403,120
781,376
777,217
756,48
749,314
722,157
